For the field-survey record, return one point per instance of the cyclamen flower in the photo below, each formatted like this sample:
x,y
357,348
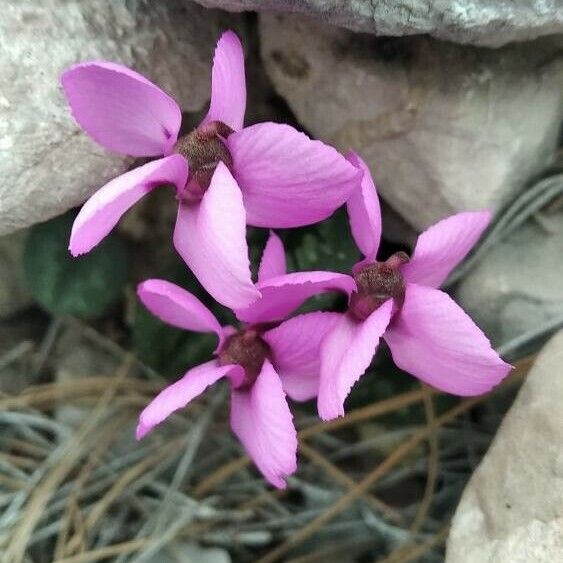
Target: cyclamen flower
x,y
263,365
225,176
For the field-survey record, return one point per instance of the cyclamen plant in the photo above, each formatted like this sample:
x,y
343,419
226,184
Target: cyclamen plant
x,y
225,175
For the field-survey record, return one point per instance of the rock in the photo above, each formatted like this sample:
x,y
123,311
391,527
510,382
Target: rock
x,y
512,508
517,286
444,127
189,552
480,22
46,163
14,295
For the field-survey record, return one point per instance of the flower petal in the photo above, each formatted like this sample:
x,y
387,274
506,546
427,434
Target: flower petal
x,y
280,296
436,341
180,393
364,212
177,307
211,238
228,85
288,180
262,421
295,347
443,246
346,354
273,259
120,109
102,211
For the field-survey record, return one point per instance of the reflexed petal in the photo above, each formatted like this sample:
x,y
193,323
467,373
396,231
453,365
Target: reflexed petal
x,y
364,212
295,346
443,246
282,295
262,421
102,211
180,393
228,85
288,180
435,340
211,238
273,259
346,354
120,109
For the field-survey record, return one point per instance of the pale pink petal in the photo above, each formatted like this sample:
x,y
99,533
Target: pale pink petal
x,y
120,109
273,259
364,212
435,340
228,85
443,246
180,393
102,211
295,348
262,421
280,296
211,238
288,180
346,354
177,307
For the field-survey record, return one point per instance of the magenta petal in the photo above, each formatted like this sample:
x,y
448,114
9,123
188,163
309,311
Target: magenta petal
x,y
288,180
177,307
180,393
273,259
280,296
211,238
262,421
228,85
102,211
436,341
120,109
443,246
295,346
364,212
346,354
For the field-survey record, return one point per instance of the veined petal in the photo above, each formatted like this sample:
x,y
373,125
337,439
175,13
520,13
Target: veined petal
x,y
120,109
262,421
346,354
228,84
443,246
180,393
435,340
211,238
102,211
288,180
295,346
280,296
273,259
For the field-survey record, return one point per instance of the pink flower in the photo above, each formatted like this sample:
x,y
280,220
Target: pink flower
x,y
225,176
263,364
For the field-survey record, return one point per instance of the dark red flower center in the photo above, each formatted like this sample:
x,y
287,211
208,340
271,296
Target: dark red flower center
x,y
377,283
247,349
203,148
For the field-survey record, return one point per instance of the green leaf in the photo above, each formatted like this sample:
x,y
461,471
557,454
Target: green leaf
x,y
83,286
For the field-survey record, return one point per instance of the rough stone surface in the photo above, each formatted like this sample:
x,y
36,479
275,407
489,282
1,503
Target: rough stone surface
x,y
479,22
512,508
518,286
444,127
14,294
46,164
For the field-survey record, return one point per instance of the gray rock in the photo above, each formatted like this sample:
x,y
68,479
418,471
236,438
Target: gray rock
x,y
46,164
479,22
512,508
518,285
444,127
190,552
14,294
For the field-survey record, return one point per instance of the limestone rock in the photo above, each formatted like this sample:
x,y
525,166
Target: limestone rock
x,y
443,127
512,508
480,22
47,165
